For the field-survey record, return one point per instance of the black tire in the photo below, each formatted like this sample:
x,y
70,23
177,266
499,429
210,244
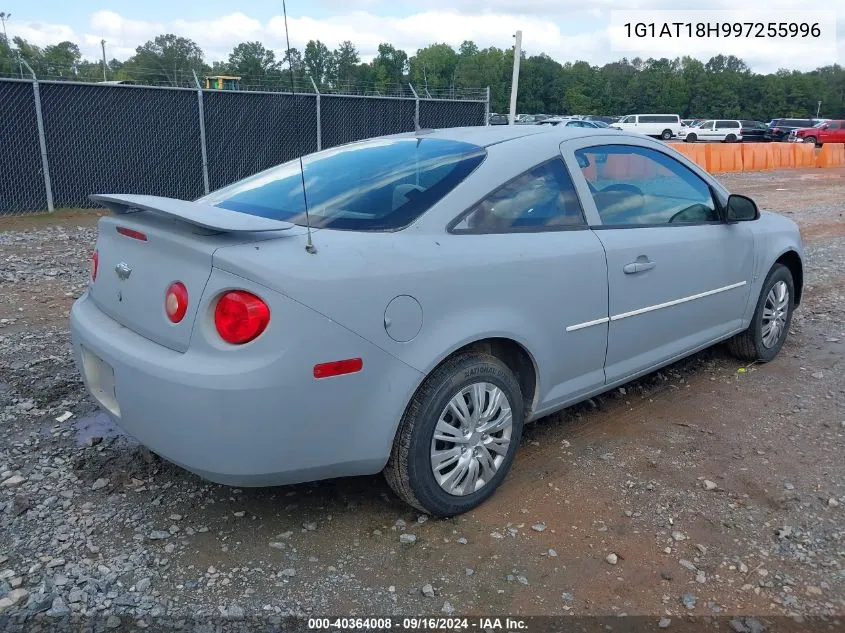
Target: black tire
x,y
811,139
666,135
748,345
409,472
730,138
691,137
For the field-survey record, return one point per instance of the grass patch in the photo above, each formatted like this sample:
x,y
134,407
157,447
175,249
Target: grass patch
x,y
63,217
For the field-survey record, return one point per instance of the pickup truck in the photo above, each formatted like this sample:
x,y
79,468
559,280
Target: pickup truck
x,y
821,133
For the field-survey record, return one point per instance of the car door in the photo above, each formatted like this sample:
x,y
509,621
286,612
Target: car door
x,y
678,276
833,133
706,132
549,267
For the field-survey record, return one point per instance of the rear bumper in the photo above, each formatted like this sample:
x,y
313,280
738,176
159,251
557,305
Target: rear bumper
x,y
257,416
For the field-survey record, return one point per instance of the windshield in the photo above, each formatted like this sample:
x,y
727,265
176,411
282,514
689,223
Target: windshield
x,y
380,184
820,124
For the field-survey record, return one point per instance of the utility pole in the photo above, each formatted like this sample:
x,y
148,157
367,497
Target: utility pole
x,y
3,17
103,46
517,53
818,109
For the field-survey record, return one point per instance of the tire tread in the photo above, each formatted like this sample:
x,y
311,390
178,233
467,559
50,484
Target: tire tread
x,y
396,472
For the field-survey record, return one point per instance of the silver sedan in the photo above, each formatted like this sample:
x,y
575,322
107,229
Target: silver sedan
x,y
408,303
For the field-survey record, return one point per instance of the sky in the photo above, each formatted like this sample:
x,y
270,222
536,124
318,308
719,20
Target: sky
x,y
566,30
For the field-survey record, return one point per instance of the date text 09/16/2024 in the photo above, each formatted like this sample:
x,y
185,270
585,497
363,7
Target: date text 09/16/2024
x,y
418,624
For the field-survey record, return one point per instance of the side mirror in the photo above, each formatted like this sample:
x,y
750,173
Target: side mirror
x,y
741,209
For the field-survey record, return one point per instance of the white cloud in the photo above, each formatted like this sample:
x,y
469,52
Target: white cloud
x,y
546,26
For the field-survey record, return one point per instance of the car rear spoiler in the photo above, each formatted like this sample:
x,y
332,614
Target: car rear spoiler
x,y
198,214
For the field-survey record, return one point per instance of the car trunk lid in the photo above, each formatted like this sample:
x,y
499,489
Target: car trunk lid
x,y
152,242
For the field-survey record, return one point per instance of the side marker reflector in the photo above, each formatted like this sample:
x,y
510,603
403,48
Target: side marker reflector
x,y
338,368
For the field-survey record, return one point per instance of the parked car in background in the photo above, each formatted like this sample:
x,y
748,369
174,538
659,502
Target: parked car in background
x,y
602,118
663,126
724,130
779,129
821,133
566,122
236,351
753,131
498,119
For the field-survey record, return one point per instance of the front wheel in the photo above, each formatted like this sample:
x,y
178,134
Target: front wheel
x,y
666,135
691,137
458,437
811,139
772,317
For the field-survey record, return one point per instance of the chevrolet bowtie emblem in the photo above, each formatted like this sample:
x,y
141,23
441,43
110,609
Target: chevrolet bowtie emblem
x,y
123,270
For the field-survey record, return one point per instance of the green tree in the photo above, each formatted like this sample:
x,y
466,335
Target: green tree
x,y
389,67
60,60
319,62
433,67
253,63
345,70
167,59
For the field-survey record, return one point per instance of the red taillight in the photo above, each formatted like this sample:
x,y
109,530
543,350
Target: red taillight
x,y
135,235
176,301
240,316
95,263
338,368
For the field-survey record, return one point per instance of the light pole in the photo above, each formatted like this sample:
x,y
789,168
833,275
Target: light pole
x,y
3,17
818,109
103,45
517,52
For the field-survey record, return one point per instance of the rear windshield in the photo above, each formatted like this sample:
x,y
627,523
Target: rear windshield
x,y
375,185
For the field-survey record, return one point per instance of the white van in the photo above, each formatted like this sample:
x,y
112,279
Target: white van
x,y
727,131
664,126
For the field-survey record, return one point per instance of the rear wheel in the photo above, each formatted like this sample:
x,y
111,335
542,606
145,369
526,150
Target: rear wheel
x,y
730,138
666,135
458,437
772,317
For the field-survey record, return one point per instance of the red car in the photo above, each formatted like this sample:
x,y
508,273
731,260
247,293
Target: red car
x,y
821,133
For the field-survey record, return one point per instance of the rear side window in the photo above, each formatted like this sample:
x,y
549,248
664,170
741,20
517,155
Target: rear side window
x,y
541,199
659,118
727,124
376,185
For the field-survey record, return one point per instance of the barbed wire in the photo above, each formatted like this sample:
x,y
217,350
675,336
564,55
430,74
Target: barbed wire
x,y
275,81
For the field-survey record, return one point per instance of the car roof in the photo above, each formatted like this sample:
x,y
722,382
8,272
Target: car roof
x,y
485,136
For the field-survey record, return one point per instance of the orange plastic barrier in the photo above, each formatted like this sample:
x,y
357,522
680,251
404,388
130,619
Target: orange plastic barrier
x,y
804,154
630,167
757,156
693,151
783,154
721,158
831,155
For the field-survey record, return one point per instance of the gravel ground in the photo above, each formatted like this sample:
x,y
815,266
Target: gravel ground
x,y
706,488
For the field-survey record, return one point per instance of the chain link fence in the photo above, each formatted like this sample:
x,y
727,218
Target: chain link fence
x,y
182,142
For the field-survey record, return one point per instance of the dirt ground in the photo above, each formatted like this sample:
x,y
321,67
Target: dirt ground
x,y
100,526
